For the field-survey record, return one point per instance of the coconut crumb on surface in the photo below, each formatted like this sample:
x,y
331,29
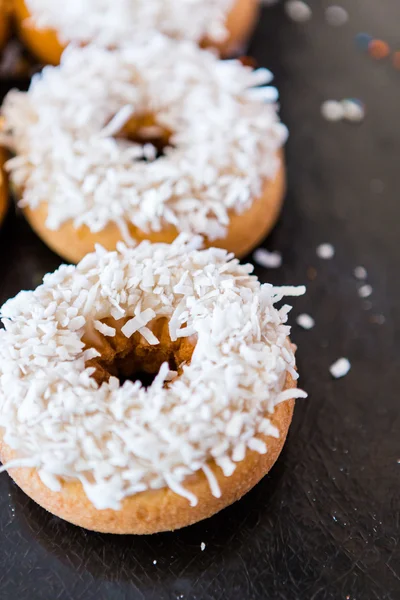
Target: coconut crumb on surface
x,y
365,291
305,321
349,109
202,546
269,260
298,11
332,110
360,273
325,251
336,15
340,368
353,109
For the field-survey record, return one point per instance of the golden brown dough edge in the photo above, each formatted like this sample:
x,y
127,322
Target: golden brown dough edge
x,y
157,510
240,24
45,45
245,231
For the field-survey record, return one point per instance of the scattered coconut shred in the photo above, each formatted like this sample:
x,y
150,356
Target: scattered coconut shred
x,y
349,109
120,439
298,11
325,251
111,23
365,291
340,368
360,273
336,15
64,131
305,321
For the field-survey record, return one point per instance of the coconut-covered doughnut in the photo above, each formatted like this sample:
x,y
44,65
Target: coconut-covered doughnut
x,y
97,448
88,137
47,30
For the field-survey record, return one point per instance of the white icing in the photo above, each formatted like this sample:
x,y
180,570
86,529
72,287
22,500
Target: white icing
x,y
225,138
112,22
121,439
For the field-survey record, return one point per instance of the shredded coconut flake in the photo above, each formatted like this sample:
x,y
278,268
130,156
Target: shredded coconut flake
x,y
110,23
340,368
104,329
269,260
120,439
202,546
224,143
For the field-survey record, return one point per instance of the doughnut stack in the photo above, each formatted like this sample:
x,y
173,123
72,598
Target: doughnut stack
x,y
152,384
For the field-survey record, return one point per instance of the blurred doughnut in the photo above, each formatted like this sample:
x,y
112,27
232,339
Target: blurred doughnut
x,y
145,142
46,30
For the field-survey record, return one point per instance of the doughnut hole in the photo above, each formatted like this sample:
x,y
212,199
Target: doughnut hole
x,y
144,129
134,358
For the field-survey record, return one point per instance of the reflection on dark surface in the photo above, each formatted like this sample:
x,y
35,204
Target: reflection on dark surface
x,y
177,554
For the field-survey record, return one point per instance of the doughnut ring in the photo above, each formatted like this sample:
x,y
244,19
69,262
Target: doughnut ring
x,y
145,142
83,437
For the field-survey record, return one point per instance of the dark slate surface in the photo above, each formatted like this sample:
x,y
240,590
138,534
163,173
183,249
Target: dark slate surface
x,y
325,523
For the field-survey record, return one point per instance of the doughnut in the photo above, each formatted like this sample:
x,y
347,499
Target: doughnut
x,y
146,388
146,142
46,30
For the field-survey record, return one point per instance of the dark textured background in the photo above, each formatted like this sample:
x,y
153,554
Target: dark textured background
x,y
325,522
